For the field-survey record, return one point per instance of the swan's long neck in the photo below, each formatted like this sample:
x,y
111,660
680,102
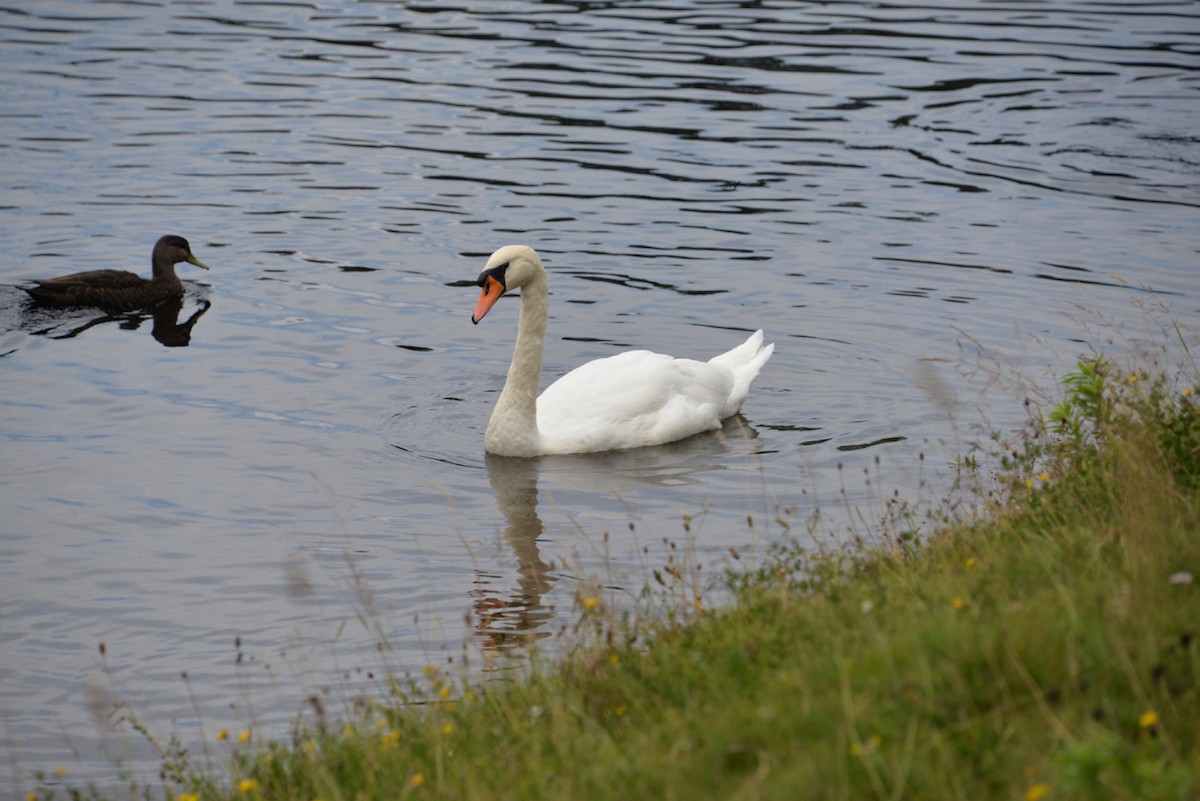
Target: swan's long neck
x,y
513,429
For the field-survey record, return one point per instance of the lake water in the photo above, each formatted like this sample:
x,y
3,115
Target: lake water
x,y
902,197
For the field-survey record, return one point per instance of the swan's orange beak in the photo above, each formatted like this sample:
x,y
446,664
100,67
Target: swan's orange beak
x,y
492,290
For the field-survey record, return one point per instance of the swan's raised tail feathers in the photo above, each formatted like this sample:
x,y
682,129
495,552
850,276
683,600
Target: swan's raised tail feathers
x,y
746,361
742,353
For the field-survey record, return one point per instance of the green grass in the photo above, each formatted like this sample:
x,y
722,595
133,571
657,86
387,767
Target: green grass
x,y
1046,648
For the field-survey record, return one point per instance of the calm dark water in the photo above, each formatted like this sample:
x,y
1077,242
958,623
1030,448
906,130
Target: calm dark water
x,y
896,194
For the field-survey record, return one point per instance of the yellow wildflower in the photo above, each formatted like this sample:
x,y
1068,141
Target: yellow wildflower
x,y
1029,483
60,772
31,796
390,738
223,734
416,780
970,561
247,785
187,797
1187,391
447,728
1037,791
868,747
1043,476
444,692
958,602
244,736
590,602
1148,719
621,710
614,660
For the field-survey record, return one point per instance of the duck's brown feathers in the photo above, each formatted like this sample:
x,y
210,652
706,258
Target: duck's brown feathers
x,y
121,290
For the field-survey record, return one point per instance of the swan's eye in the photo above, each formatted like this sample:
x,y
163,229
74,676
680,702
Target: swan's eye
x,y
495,272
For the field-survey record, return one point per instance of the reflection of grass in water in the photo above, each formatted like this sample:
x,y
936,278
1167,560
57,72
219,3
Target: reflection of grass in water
x,y
1043,646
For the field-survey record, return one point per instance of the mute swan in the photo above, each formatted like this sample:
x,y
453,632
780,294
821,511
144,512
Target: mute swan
x,y
629,400
121,290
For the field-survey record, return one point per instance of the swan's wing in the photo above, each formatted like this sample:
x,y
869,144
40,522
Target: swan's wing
x,y
632,399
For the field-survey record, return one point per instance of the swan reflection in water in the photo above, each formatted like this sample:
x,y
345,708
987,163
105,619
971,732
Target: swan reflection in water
x,y
166,329
503,622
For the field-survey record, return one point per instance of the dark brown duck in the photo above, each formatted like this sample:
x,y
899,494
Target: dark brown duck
x,y
121,290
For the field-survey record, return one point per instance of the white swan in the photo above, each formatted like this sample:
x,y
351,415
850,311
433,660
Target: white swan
x,y
629,400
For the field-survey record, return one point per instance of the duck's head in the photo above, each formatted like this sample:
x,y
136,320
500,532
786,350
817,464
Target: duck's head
x,y
172,249
510,267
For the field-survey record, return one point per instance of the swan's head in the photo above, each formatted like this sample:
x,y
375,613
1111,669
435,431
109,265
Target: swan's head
x,y
510,267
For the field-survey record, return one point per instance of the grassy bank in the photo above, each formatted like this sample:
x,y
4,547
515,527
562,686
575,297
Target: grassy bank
x,y
1044,649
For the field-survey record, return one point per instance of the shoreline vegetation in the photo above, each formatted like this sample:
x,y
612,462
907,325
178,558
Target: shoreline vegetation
x,y
1043,647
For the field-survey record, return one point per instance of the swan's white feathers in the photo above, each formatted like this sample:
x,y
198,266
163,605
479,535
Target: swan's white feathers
x,y
632,399
746,361
629,400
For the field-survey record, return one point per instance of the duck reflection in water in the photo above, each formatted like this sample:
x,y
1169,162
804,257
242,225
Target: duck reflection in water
x,y
503,623
166,329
